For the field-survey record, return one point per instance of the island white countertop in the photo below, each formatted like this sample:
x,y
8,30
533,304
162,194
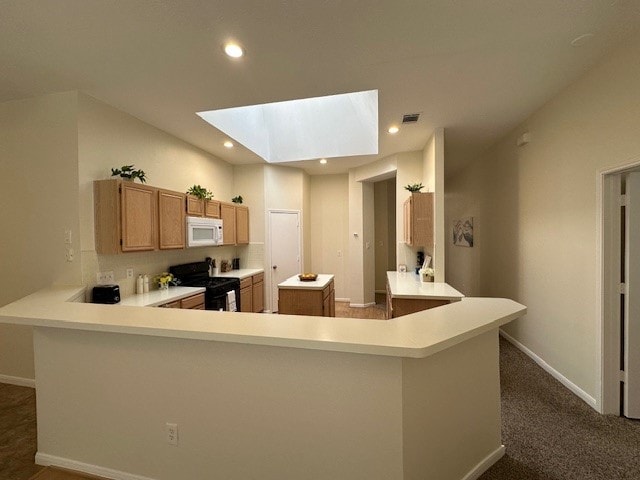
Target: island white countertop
x,y
318,284
159,297
409,285
241,273
416,335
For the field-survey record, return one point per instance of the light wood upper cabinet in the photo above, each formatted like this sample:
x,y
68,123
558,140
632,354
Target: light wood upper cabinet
x,y
228,216
195,206
171,223
125,216
242,225
138,217
212,208
418,220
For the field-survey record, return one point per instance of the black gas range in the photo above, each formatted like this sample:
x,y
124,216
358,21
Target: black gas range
x,y
216,296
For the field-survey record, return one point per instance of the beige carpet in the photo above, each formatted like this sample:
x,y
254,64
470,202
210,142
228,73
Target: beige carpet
x,y
550,434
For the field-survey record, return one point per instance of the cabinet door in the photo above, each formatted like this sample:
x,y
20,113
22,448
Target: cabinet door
x,y
171,219
246,294
212,208
258,297
194,302
138,217
228,216
332,304
195,206
242,225
422,219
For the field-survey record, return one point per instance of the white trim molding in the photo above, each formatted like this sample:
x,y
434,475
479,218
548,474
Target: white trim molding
x,y
485,464
588,399
46,460
19,381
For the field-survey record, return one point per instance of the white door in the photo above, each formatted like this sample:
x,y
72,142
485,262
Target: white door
x,y
631,324
284,241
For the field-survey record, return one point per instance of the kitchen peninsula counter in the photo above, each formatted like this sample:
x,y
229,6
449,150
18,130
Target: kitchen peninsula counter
x,y
373,393
407,293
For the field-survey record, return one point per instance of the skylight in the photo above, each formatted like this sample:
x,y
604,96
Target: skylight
x,y
307,129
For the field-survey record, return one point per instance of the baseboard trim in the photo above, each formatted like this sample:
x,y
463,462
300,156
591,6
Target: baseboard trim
x,y
362,305
19,381
343,300
584,396
46,460
485,464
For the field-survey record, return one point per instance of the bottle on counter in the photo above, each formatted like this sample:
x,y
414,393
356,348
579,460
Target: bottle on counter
x,y
214,269
140,284
146,284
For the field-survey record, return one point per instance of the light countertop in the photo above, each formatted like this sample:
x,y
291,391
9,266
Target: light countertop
x,y
409,285
241,273
318,284
159,297
417,335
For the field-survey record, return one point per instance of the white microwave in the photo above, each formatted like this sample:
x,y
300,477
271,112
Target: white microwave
x,y
203,232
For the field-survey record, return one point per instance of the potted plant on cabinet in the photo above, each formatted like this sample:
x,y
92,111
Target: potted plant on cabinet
x,y
129,173
414,187
200,192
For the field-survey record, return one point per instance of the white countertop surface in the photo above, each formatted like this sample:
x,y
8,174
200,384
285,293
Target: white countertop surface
x,y
159,297
408,285
416,335
318,284
241,273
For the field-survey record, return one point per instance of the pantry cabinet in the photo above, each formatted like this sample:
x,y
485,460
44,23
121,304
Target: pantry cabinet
x,y
418,220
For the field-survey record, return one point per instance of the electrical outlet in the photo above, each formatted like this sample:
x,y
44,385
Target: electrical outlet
x,y
70,254
129,272
67,237
171,430
339,253
104,278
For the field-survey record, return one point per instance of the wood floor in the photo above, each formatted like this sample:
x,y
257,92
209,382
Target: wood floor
x,y
377,312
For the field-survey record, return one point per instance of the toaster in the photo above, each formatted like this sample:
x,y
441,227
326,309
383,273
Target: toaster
x,y
106,294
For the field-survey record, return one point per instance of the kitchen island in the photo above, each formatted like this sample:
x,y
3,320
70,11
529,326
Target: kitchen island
x,y
307,297
265,396
406,294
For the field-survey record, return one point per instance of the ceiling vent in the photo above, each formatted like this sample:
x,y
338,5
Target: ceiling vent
x,y
410,118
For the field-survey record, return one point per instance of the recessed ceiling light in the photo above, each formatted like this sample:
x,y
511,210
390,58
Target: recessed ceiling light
x,y
323,161
393,130
233,50
228,144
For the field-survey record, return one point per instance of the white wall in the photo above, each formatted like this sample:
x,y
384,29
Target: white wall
x,y
385,234
534,212
248,181
329,228
39,198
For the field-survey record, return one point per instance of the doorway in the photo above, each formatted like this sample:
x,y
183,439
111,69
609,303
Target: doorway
x,y
620,291
285,249
384,211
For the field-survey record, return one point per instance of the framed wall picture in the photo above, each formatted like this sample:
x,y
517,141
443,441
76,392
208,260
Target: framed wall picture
x,y
463,232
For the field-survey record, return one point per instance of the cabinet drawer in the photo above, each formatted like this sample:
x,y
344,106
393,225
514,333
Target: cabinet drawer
x,y
175,304
195,301
258,277
245,282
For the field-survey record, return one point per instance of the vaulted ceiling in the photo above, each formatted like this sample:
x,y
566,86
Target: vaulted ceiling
x,y
475,67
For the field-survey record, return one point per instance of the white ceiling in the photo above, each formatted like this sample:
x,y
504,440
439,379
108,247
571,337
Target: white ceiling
x,y
475,67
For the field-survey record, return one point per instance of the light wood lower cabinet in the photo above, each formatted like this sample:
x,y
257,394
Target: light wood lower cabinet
x,y
194,302
305,301
397,307
252,293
